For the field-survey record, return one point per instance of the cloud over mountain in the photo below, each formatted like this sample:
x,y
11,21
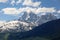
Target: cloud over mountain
x,y
31,3
3,1
17,7
15,11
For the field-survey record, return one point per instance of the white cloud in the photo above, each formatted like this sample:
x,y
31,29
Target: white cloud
x,y
27,9
38,10
13,11
3,1
19,1
45,10
31,3
25,3
13,2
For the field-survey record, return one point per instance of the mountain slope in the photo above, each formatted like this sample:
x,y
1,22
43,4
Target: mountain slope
x,y
48,30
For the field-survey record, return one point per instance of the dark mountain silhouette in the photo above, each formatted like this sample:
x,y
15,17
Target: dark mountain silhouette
x,y
48,30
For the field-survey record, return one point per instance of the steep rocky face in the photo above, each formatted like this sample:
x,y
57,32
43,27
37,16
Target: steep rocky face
x,y
43,18
29,17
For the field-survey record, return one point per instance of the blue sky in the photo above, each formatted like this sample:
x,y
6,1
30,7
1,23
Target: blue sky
x,y
12,9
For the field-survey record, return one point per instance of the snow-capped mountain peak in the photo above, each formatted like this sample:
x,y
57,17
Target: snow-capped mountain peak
x,y
26,22
15,26
29,17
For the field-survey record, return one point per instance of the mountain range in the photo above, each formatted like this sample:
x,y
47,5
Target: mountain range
x,y
26,22
49,30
